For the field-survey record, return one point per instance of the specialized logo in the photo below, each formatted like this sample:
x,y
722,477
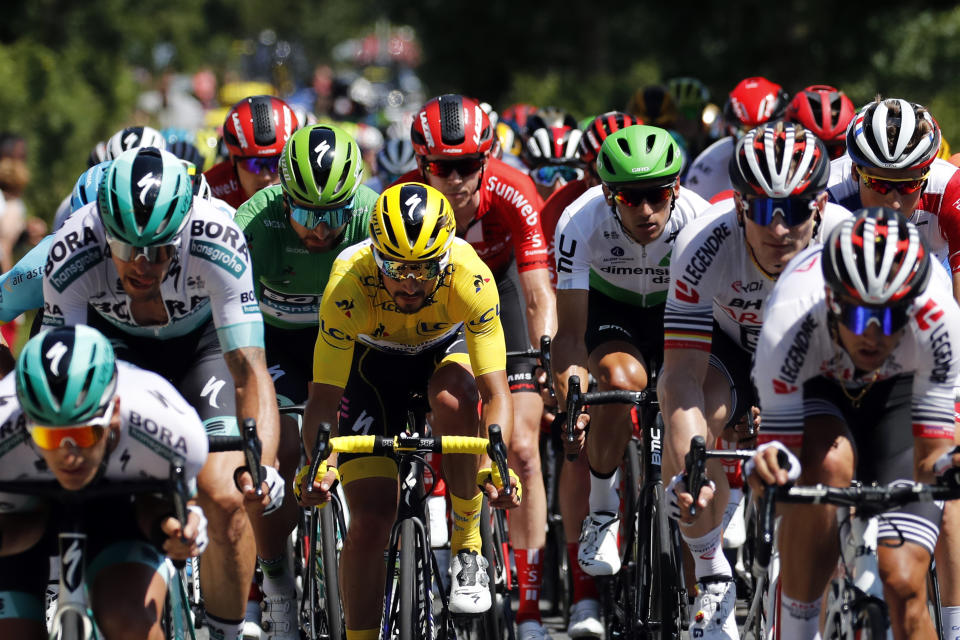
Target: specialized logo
x,y
70,560
55,354
321,150
412,203
220,256
147,183
212,389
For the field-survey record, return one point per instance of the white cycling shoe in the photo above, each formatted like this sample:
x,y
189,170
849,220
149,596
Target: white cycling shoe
x,y
585,620
714,608
470,588
598,554
532,630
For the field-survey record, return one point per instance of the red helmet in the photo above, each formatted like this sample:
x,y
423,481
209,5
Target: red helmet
x,y
519,113
258,126
598,130
753,102
824,110
451,125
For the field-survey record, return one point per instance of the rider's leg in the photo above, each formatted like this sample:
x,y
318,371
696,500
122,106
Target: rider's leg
x,y
903,570
948,564
808,533
128,600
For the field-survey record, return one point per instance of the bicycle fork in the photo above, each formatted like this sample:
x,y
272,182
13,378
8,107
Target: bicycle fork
x,y
72,620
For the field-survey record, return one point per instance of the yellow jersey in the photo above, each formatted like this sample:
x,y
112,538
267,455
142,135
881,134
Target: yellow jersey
x,y
355,307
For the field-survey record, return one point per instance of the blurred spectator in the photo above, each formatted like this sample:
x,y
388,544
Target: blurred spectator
x,y
14,177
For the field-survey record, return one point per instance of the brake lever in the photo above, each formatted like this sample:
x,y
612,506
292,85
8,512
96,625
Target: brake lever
x,y
497,451
574,405
321,450
252,449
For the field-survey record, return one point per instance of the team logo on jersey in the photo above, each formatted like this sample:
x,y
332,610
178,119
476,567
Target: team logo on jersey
x,y
928,314
617,251
478,324
220,256
345,305
478,282
78,264
380,331
334,336
686,293
779,386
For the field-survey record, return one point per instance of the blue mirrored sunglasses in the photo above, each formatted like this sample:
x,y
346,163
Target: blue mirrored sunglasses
x,y
794,210
311,217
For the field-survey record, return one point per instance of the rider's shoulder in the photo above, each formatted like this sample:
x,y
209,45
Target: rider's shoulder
x,y
717,151
262,207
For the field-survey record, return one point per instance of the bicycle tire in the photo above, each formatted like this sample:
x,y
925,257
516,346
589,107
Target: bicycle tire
x,y
671,591
656,611
176,616
492,621
870,621
330,557
407,584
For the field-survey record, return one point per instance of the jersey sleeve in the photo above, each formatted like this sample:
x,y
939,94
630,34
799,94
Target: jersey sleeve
x,y
220,251
478,307
572,252
688,316
938,366
21,288
75,254
949,219
529,244
339,326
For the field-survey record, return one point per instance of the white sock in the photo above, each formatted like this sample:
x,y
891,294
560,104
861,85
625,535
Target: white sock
x,y
223,629
800,620
732,503
708,554
603,492
278,580
951,622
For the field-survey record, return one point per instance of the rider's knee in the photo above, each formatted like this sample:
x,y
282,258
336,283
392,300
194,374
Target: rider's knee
x,y
455,393
129,623
227,520
622,374
370,529
904,575
525,456
831,464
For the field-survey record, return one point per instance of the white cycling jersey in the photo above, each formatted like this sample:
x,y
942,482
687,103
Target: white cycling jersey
x,y
710,172
937,215
715,279
210,275
157,427
795,346
593,252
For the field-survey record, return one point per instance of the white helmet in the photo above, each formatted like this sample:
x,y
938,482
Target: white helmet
x,y
133,137
915,142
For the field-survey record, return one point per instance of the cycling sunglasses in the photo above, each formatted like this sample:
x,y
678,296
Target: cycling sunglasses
x,y
401,270
79,435
258,164
443,168
793,210
155,254
883,186
549,174
636,196
857,318
311,217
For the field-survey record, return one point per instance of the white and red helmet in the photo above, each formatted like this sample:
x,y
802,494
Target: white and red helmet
x,y
452,125
258,126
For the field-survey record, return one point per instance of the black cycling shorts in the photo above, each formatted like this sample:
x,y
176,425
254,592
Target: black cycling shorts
x,y
609,320
727,357
193,363
290,361
882,438
521,371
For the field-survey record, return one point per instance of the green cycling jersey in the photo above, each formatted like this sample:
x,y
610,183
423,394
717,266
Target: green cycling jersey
x,y
289,280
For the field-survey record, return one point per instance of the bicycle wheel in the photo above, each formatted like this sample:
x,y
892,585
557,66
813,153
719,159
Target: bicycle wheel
x,y
493,620
330,559
657,606
177,621
414,617
321,613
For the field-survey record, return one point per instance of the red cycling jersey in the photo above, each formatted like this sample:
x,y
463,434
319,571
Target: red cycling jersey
x,y
550,215
507,222
225,184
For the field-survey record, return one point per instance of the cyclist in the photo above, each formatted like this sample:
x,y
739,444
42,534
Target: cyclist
x,y
393,160
856,346
613,254
421,315
723,266
131,138
294,231
160,272
550,150
892,161
691,97
753,102
826,111
75,415
497,210
254,132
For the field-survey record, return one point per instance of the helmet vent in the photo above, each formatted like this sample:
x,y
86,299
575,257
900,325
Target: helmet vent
x,y
261,112
452,130
624,146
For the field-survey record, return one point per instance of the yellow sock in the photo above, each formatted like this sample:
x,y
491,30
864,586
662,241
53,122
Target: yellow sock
x,y
466,523
363,634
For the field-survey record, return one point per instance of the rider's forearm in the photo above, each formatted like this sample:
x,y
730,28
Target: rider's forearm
x,y
926,452
569,358
322,403
541,305
681,401
256,397
20,531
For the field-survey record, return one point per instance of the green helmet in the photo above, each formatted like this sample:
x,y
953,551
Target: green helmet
x,y
145,197
639,153
66,376
321,165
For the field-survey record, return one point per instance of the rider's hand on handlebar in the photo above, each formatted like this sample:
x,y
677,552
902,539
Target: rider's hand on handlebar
x,y
319,494
272,491
679,499
496,498
580,432
187,542
772,464
546,391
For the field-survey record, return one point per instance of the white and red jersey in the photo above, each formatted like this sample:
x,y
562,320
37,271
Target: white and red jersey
x,y
710,172
224,183
795,346
714,278
937,215
507,222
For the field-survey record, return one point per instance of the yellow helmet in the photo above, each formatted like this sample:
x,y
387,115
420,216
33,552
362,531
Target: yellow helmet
x,y
944,149
412,221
